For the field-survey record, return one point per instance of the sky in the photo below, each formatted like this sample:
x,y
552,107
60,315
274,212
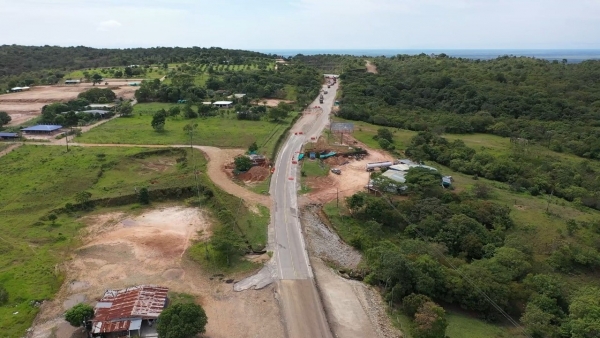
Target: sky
x,y
304,24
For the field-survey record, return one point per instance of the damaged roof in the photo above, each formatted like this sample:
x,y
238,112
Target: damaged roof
x,y
122,310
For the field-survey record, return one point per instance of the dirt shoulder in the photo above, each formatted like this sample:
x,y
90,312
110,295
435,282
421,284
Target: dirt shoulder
x,y
121,250
353,308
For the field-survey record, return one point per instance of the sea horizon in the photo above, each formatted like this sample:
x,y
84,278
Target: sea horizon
x,y
572,55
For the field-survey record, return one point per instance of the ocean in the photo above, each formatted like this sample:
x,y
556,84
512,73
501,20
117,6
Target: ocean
x,y
572,55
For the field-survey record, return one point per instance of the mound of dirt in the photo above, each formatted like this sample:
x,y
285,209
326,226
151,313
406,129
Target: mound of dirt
x,y
255,174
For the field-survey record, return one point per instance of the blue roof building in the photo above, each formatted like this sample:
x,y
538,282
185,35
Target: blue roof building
x,y
8,135
42,128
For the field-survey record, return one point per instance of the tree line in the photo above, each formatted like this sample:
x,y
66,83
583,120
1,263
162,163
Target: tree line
x,y
554,104
525,171
27,65
436,245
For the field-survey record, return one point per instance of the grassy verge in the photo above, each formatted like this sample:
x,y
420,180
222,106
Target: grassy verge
x,y
314,168
262,187
221,131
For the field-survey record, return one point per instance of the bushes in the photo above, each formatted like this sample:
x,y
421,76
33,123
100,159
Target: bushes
x,y
98,95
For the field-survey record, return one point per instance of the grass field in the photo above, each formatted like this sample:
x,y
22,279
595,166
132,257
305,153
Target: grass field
x,y
314,168
460,326
220,131
151,73
38,179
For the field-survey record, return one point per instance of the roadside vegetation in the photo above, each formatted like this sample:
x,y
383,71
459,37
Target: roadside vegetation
x,y
46,190
525,244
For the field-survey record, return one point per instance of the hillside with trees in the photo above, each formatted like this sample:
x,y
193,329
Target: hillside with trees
x,y
464,249
554,104
30,65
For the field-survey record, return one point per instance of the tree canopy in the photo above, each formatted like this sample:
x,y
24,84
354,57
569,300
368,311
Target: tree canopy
x,y
78,314
183,320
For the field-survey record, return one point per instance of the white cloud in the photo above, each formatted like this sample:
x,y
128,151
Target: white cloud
x,y
108,25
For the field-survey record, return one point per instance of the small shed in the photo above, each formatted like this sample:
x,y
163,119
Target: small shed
x,y
8,136
42,129
257,159
69,82
223,104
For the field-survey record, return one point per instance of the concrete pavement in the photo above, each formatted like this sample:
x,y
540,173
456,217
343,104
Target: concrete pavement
x,y
301,305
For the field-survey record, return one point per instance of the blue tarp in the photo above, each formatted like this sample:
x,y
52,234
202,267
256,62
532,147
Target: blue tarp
x,y
327,155
301,156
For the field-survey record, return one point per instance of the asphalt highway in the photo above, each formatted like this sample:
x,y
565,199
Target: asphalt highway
x,y
302,308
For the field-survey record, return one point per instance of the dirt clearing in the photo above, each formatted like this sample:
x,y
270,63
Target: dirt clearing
x,y
371,68
272,102
353,178
24,106
122,250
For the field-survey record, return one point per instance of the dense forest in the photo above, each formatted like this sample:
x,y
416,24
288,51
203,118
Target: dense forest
x,y
25,65
552,103
436,245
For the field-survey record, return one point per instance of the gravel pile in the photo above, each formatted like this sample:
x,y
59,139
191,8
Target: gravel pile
x,y
325,243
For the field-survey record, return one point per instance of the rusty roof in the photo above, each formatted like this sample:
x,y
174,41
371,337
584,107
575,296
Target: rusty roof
x,y
118,308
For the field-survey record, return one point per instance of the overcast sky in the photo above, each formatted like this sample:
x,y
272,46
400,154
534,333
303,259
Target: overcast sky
x,y
304,24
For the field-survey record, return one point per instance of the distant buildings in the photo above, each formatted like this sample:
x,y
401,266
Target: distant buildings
x,y
397,173
19,89
223,104
72,82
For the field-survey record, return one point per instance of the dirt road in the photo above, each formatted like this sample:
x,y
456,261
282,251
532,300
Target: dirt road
x,y
371,68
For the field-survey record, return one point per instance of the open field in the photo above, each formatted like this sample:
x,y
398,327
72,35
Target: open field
x,y
461,326
493,144
221,131
38,179
24,106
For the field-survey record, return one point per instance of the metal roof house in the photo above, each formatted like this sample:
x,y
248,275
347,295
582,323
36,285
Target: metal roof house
x,y
120,312
42,128
19,89
223,104
72,81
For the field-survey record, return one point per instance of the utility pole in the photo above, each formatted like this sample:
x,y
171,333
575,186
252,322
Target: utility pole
x,y
67,140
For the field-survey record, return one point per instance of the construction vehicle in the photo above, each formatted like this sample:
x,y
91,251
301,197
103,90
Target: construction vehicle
x,y
336,171
321,99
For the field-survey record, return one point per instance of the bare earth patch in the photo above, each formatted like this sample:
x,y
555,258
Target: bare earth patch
x,y
272,102
24,106
121,250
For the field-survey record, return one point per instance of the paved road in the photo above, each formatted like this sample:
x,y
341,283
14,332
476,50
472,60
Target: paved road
x,y
302,309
